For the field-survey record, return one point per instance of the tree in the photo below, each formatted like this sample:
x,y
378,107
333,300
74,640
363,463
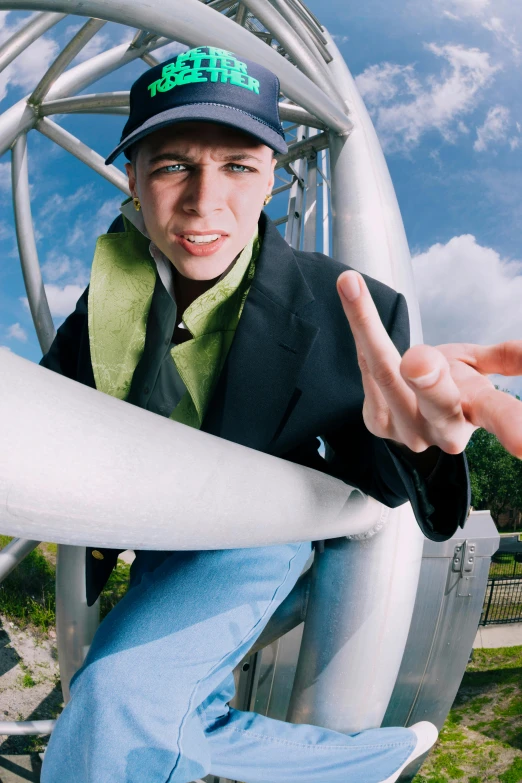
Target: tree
x,y
495,474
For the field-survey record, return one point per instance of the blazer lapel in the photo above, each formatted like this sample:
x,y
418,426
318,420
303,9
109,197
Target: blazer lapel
x,y
257,388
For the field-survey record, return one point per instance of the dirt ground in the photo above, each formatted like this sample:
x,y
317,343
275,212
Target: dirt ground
x,y
29,683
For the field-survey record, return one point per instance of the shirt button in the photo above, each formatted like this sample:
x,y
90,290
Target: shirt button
x,y
167,342
97,554
146,390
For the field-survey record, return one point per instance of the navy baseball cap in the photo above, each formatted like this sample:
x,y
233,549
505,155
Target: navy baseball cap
x,y
207,84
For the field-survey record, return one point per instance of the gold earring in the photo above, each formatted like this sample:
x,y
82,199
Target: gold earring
x,y
137,205
268,198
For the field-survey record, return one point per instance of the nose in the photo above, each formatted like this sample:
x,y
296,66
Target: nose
x,y
205,192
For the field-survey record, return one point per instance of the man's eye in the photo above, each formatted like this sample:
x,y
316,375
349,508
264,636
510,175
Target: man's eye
x,y
174,167
239,167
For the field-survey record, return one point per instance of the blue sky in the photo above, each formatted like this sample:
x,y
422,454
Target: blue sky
x,y
441,79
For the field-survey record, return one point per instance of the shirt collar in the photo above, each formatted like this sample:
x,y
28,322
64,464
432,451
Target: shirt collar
x,y
211,311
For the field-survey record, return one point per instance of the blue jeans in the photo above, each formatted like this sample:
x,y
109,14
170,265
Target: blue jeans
x,y
150,703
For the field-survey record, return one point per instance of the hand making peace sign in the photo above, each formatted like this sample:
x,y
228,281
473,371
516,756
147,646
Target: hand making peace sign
x,y
433,396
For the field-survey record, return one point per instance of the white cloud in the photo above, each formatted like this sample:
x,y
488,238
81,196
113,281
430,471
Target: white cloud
x,y
28,68
98,43
56,204
468,293
4,348
88,228
494,129
59,266
62,301
437,104
17,332
380,83
463,7
496,26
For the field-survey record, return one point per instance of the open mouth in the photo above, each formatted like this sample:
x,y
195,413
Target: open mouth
x,y
201,240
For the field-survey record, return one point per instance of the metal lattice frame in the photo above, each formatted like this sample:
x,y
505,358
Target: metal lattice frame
x,y
338,186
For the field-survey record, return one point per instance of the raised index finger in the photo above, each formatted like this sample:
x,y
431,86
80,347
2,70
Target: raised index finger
x,y
371,338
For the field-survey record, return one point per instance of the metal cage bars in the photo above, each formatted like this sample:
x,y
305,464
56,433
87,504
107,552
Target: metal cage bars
x,y
366,228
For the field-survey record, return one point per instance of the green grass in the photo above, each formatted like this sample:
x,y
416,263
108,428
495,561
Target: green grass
x,y
27,595
503,564
481,740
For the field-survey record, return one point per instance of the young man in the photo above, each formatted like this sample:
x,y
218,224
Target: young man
x,y
198,310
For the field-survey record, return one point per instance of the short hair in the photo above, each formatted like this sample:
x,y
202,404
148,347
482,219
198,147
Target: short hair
x,y
132,153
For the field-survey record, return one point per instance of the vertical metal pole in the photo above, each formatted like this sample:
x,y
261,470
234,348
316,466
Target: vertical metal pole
x,y
296,198
241,14
27,246
326,204
310,217
76,623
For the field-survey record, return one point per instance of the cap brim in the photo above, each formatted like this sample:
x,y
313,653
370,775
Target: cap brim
x,y
225,115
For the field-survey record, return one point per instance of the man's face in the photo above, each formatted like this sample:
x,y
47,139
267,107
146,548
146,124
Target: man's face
x,y
201,181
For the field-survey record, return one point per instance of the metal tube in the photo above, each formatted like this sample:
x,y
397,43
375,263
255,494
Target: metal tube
x,y
189,21
13,553
312,24
98,102
82,37
34,286
26,35
296,195
313,19
369,232
299,46
326,206
220,5
359,613
76,623
84,153
302,148
288,615
289,113
15,727
241,14
304,33
150,60
310,215
106,495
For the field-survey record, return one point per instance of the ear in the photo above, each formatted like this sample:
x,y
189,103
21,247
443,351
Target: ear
x,y
272,174
131,174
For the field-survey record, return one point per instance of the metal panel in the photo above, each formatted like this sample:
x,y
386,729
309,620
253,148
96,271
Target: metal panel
x,y
444,624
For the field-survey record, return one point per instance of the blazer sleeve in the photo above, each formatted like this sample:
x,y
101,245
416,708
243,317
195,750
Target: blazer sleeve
x,y
64,354
440,502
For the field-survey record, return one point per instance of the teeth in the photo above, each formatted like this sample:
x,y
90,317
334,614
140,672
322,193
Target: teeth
x,y
202,240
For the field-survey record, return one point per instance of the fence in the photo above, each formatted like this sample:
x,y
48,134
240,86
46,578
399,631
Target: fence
x,y
503,600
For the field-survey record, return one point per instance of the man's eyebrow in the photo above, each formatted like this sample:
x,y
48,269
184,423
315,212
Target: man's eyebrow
x,y
180,157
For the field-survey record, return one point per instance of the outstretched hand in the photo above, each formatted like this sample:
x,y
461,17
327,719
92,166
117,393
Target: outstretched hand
x,y
432,396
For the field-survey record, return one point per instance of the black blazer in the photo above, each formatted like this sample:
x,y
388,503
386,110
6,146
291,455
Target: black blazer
x,y
292,376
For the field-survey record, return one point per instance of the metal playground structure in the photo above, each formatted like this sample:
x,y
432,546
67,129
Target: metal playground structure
x,y
358,660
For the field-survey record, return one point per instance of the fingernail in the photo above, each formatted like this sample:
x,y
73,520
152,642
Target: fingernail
x,y
426,380
350,287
